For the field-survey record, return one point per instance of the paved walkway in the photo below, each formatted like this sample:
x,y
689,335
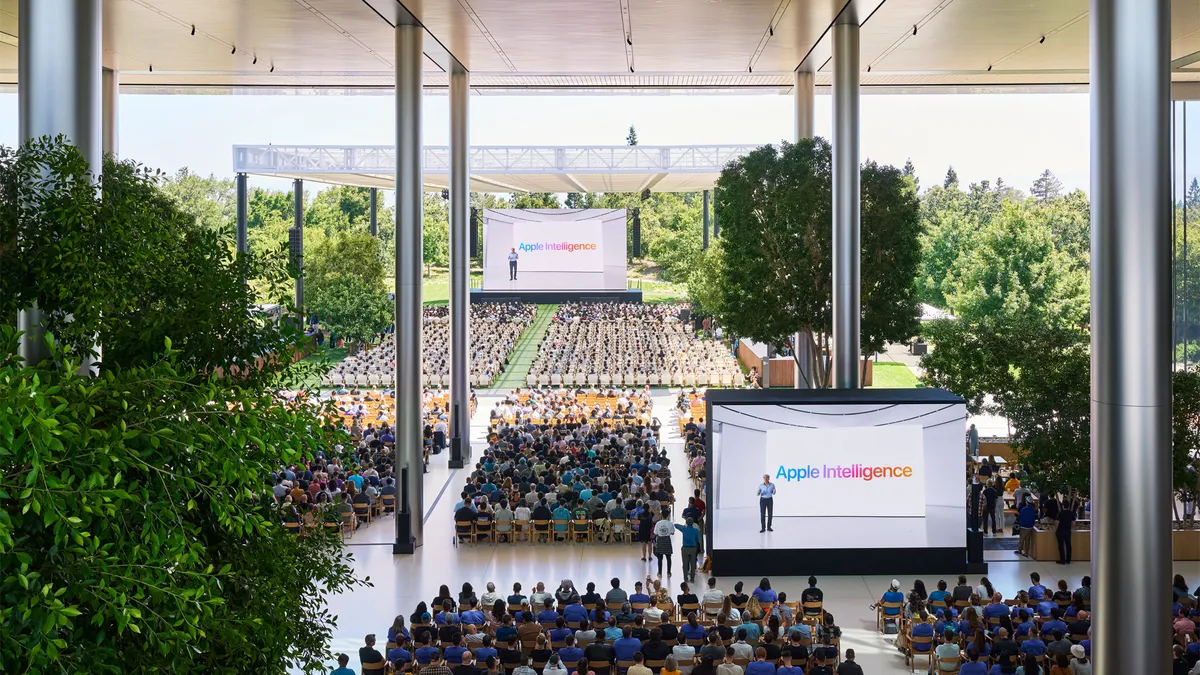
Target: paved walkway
x,y
525,351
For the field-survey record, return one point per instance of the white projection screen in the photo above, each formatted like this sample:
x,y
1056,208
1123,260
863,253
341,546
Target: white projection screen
x,y
853,470
557,249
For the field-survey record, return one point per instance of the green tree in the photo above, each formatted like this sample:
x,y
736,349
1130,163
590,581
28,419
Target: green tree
x,y
352,310
211,201
1046,187
580,200
951,180
1013,268
776,229
533,200
355,255
910,172
631,138
136,529
263,206
435,236
1193,194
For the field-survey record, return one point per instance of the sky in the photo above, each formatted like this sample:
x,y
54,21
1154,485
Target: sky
x,y
983,136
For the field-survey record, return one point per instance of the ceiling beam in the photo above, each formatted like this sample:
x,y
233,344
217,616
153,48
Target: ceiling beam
x,y
1185,61
652,181
568,178
396,14
503,186
859,11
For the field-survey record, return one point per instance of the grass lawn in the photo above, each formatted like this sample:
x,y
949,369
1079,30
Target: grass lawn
x,y
330,356
663,291
435,288
891,375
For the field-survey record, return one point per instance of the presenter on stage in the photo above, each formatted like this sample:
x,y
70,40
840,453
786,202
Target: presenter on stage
x,y
766,503
512,265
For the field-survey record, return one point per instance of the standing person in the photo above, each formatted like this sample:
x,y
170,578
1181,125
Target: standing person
x,y
766,503
1026,520
691,543
972,434
663,530
1062,532
645,521
512,265
989,514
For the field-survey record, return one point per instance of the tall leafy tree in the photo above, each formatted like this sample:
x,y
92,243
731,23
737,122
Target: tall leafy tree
x,y
631,138
534,200
1046,187
136,529
211,201
951,180
776,265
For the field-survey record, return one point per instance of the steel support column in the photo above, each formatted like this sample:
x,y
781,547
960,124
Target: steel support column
x,y
706,220
409,461
240,182
374,212
460,268
1131,333
110,83
804,94
716,224
298,248
846,202
58,92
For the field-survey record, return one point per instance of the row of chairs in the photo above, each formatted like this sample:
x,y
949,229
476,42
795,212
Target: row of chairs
x,y
363,513
723,378
386,379
538,531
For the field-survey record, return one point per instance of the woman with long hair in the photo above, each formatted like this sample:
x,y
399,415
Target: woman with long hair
x,y
1029,666
919,589
730,611
985,588
466,597
415,617
397,629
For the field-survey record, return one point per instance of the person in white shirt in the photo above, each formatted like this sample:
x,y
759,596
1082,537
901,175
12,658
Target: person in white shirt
x,y
512,265
685,654
713,598
492,596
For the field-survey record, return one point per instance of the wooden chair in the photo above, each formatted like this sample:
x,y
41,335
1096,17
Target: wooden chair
x,y
541,528
582,528
347,524
811,612
623,666
565,533
464,528
948,664
521,528
639,607
292,526
914,653
389,503
741,662
881,617
684,610
363,511
484,531
377,667
656,665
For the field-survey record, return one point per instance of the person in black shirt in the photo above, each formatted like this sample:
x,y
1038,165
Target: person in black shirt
x,y
989,513
848,666
962,591
450,633
418,632
773,650
369,654
687,597
1062,532
737,597
467,667
590,597
599,654
723,631
464,515
654,649
639,629
541,651
542,512
669,632
511,653
812,594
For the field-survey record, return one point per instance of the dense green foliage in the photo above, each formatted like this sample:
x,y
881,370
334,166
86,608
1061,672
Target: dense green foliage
x,y
137,531
346,290
774,278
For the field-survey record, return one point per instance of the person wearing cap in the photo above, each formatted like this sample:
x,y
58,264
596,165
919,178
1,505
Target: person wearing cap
x,y
368,653
1080,665
893,596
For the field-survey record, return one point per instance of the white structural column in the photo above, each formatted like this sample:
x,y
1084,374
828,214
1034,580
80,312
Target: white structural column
x,y
847,296
58,92
1131,333
110,82
409,461
804,94
460,267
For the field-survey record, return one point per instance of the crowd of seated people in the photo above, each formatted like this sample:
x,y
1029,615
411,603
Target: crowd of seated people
x,y
630,344
561,456
338,494
495,329
368,413
639,631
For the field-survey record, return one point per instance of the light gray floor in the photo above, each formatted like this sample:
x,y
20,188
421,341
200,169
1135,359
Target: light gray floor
x,y
402,581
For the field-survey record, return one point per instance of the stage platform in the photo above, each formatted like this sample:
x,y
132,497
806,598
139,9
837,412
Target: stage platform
x,y
547,297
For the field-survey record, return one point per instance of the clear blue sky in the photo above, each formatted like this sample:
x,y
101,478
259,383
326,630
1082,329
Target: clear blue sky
x,y
984,136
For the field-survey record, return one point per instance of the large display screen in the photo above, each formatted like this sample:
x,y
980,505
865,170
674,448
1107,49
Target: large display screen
x,y
554,249
845,475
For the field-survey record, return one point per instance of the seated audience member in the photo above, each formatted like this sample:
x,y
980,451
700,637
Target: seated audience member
x,y
811,594
713,649
973,666
600,654
482,653
399,656
752,630
510,653
655,649
425,652
760,665
786,667
962,592
1080,665
940,596
1037,592
570,653
639,598
626,645
728,667
343,667
1034,645
948,650
712,598
437,667
821,666
741,648
685,654
639,666
1058,645
848,666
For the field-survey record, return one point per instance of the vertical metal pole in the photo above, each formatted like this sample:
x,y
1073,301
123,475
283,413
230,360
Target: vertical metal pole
x,y
706,220
298,215
110,106
240,183
1131,333
460,265
374,212
846,202
716,224
58,92
804,93
409,60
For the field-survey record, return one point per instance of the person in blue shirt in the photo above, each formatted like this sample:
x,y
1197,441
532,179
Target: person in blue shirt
x,y
638,597
613,631
748,630
894,596
1025,625
399,656
1055,622
560,631
1037,592
1034,644
575,613
562,515
1027,520
516,598
1045,608
760,665
786,668
454,653
600,613
764,592
342,669
924,629
482,653
473,615
940,595
692,630
547,616
426,651
397,629
973,666
996,609
625,646
571,653
505,630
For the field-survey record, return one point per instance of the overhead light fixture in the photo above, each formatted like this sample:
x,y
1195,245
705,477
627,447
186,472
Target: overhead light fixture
x,y
914,30
771,30
255,61
868,69
233,51
1042,41
629,40
193,29
989,69
631,69
272,67
152,67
